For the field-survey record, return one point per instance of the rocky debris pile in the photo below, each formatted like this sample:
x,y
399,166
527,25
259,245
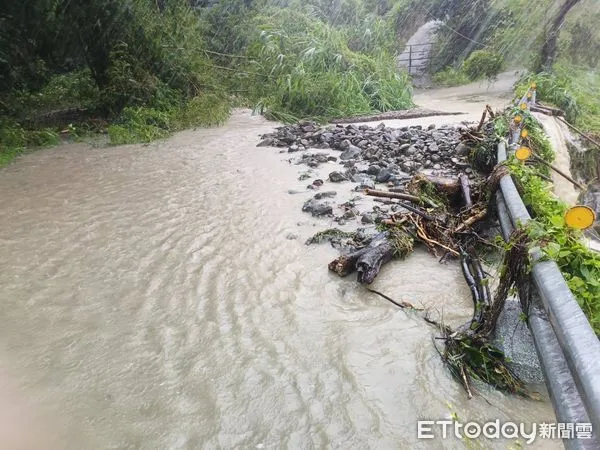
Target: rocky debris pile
x,y
380,154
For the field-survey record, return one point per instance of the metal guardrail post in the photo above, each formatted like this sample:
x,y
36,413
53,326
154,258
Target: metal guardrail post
x,y
569,350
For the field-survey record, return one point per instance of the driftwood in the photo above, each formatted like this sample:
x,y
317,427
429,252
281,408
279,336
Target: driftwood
x,y
367,261
547,110
469,221
466,190
380,251
448,186
399,194
346,264
396,195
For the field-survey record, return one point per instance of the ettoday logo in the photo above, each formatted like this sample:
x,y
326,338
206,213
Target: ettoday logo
x,y
436,429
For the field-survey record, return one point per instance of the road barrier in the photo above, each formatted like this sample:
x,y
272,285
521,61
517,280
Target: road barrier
x,y
416,56
567,347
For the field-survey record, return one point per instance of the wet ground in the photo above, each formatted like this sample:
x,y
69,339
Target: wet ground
x,y
161,296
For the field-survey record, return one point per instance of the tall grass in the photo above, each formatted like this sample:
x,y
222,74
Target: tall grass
x,y
173,66
303,67
575,90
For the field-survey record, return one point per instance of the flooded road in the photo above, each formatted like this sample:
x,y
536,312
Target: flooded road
x,y
161,296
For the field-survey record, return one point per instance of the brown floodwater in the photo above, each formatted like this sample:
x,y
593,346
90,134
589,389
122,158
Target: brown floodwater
x,y
161,296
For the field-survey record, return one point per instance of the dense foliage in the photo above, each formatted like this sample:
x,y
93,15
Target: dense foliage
x,y
548,230
144,69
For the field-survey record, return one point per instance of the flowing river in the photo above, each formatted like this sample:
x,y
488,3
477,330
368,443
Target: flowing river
x,y
161,296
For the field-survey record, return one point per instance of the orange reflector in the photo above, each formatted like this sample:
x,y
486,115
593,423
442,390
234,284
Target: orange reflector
x,y
524,133
523,153
580,217
518,119
529,94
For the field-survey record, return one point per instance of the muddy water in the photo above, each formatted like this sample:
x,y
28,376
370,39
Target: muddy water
x,y
557,134
155,297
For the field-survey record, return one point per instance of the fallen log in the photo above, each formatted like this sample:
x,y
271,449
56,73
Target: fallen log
x,y
395,195
482,121
466,190
346,264
379,251
547,110
398,195
367,261
448,186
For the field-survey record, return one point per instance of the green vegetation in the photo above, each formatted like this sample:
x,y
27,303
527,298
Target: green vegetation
x,y
305,69
142,70
517,31
479,65
576,91
451,77
548,231
483,64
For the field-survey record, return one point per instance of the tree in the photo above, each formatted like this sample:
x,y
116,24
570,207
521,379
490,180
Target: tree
x,y
550,47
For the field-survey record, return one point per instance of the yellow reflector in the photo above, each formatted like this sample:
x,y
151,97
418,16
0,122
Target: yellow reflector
x,y
517,119
524,133
523,106
529,94
580,217
533,85
523,153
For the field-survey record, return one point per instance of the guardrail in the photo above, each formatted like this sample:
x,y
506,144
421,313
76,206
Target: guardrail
x,y
567,347
416,56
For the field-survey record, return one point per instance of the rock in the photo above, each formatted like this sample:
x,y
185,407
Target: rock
x,y
364,181
373,170
411,150
350,214
513,338
317,208
337,177
326,194
433,148
321,157
291,236
435,158
268,142
308,127
293,148
404,147
294,191
461,150
431,127
407,166
367,218
315,184
436,167
352,152
332,158
383,176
